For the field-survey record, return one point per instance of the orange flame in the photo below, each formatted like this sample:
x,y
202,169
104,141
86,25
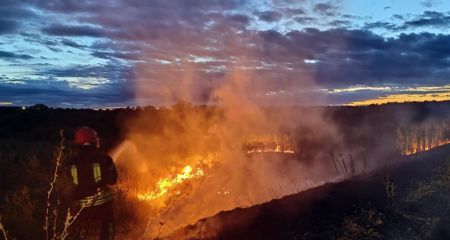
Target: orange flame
x,y
416,148
164,185
171,185
270,144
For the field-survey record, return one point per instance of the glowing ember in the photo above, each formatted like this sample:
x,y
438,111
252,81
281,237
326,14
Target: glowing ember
x,y
164,185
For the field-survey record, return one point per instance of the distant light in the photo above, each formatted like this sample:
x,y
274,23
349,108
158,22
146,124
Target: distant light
x,y
23,108
310,61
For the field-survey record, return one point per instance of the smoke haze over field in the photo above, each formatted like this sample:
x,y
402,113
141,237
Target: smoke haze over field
x,y
212,139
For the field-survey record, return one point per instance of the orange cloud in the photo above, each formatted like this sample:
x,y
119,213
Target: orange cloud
x,y
402,98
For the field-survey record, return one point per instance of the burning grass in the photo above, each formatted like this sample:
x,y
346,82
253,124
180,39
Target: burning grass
x,y
270,144
201,164
173,184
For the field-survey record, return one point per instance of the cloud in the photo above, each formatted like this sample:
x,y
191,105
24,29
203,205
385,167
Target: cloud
x,y
15,10
8,26
59,93
429,3
71,30
429,18
115,54
180,34
426,19
382,25
70,43
14,56
195,45
326,9
113,72
10,14
269,16
74,86
355,56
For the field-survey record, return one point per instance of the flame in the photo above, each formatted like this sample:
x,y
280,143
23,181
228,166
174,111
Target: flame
x,y
270,144
172,184
165,185
416,148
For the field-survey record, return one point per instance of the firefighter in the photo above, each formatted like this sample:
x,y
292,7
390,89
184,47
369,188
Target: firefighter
x,y
91,172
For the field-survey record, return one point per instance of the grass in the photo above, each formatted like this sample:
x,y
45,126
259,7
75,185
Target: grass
x,y
4,234
421,212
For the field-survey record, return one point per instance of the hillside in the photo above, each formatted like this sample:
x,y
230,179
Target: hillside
x,y
408,200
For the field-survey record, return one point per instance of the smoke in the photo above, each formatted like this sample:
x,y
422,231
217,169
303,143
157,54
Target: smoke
x,y
211,139
201,151
215,112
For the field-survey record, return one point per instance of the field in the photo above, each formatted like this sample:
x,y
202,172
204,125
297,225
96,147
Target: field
x,y
408,200
377,172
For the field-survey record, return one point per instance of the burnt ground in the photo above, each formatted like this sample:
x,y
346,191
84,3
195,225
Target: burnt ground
x,y
407,200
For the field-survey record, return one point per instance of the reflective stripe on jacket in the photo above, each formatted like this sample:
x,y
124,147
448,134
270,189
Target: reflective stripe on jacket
x,y
102,197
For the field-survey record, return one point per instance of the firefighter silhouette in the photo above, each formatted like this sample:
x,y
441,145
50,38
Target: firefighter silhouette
x,y
91,172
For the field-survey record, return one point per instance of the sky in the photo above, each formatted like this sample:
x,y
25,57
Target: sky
x,y
115,53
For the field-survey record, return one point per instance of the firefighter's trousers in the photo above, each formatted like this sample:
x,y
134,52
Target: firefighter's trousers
x,y
89,219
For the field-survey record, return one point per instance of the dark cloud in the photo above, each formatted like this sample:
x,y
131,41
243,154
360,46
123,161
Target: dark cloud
x,y
240,19
304,19
294,11
113,72
14,56
67,30
327,9
340,23
382,25
57,50
59,93
430,19
427,19
70,43
398,17
15,11
269,16
428,3
8,26
11,13
116,54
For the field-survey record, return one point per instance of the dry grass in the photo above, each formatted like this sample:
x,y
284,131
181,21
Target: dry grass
x,y
50,191
362,225
390,188
5,236
438,183
70,218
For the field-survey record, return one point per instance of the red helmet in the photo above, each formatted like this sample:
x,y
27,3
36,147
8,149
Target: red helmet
x,y
86,135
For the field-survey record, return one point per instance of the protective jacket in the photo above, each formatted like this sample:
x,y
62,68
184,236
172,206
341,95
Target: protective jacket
x,y
91,171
